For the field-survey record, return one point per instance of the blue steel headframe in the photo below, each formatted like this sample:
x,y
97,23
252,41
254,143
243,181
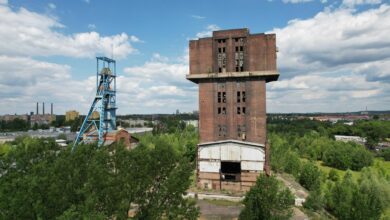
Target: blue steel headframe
x,y
94,129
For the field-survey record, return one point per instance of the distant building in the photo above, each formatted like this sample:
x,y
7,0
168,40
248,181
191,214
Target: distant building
x,y
355,139
192,122
13,117
71,115
115,136
42,119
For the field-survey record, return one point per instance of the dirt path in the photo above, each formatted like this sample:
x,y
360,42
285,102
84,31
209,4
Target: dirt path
x,y
210,211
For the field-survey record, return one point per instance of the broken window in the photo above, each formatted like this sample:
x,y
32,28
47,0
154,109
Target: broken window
x,y
219,110
230,171
238,110
219,97
221,58
238,96
239,58
224,97
243,110
243,96
223,110
222,130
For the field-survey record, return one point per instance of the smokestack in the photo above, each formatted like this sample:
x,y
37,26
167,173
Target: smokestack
x,y
37,108
51,109
43,108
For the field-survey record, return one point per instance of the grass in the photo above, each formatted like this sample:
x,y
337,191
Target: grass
x,y
378,164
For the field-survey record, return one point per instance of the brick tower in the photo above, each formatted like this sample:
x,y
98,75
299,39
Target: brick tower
x,y
232,68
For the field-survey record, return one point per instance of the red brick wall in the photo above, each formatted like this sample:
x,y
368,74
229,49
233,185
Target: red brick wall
x,y
259,52
254,119
206,111
201,56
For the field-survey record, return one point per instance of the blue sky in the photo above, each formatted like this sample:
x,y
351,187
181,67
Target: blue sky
x,y
334,55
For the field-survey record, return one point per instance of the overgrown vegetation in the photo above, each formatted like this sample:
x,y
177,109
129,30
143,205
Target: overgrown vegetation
x,y
267,200
305,148
41,181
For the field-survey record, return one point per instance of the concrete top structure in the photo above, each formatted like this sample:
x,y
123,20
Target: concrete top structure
x,y
233,54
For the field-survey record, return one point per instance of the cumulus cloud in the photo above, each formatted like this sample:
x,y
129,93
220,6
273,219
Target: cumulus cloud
x,y
159,84
27,33
353,3
25,81
338,60
334,38
208,31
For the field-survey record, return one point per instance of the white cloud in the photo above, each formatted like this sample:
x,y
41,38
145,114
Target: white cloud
x,y
208,32
296,1
334,38
92,26
339,60
25,81
198,17
353,3
3,2
52,6
23,32
135,39
158,85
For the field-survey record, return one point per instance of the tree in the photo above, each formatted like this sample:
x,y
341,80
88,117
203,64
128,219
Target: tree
x,y
315,200
267,200
310,176
41,181
385,153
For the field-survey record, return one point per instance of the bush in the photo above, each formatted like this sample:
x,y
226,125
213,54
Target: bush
x,y
310,176
345,156
314,201
333,175
385,153
267,200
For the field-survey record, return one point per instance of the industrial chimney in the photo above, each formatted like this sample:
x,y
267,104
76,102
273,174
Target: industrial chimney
x,y
51,109
43,108
37,108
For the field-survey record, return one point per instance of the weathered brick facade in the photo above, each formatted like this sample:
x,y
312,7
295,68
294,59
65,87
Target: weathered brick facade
x,y
232,68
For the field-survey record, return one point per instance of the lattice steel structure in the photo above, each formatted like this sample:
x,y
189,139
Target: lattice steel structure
x,y
101,117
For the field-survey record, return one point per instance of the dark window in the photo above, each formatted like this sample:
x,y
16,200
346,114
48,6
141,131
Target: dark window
x,y
236,68
224,97
241,68
230,171
236,39
241,48
219,110
236,49
238,110
243,110
243,96
219,97
238,96
223,40
219,50
220,69
223,49
224,110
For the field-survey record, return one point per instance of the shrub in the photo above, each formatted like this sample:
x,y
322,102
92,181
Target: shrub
x,y
267,200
